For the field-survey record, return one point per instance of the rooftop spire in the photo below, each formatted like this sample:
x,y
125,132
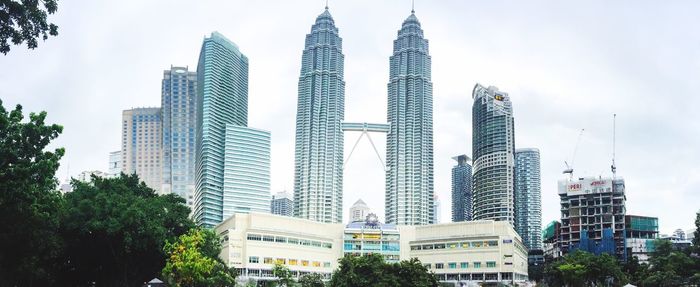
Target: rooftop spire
x,y
413,5
326,4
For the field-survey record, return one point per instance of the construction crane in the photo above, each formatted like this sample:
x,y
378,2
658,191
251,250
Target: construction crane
x,y
570,168
613,168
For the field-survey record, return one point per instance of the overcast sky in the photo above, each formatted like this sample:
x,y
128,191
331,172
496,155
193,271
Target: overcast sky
x,y
565,67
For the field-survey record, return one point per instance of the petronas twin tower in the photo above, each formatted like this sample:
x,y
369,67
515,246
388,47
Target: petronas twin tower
x,y
318,168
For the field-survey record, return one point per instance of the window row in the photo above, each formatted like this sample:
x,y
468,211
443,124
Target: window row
x,y
455,245
291,262
289,240
462,265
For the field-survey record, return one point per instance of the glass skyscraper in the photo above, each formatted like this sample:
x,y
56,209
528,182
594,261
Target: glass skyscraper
x,y
318,165
528,201
222,100
493,147
142,146
409,176
246,171
179,104
462,189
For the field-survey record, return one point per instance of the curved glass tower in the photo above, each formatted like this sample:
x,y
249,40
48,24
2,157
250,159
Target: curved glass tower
x,y
318,165
222,99
409,175
528,198
493,147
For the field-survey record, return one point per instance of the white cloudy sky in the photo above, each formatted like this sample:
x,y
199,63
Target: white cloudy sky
x,y
566,66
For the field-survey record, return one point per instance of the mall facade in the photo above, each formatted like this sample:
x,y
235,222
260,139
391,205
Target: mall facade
x,y
459,252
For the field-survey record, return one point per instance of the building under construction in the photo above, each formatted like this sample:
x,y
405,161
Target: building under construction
x,y
593,215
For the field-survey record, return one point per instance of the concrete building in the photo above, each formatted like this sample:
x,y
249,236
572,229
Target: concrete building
x,y
462,189
437,210
222,101
246,171
115,163
409,143
318,157
640,233
493,147
463,252
359,211
86,176
593,215
179,104
528,198
142,145
282,204
551,236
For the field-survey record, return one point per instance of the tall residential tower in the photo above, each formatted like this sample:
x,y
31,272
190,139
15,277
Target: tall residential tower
x,y
493,147
179,104
142,145
409,175
528,198
318,165
462,189
222,100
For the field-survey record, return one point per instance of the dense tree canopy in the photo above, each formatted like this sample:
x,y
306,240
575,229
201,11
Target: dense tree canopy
x,y
585,269
115,230
29,205
193,261
371,270
25,21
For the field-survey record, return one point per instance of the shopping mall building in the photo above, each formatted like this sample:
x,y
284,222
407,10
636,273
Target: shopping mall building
x,y
459,252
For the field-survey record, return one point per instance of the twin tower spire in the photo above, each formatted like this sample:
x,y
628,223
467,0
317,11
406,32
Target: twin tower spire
x,y
318,167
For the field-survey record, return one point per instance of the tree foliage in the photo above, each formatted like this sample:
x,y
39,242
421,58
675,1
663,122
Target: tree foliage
x,y
311,280
283,274
193,261
29,205
25,20
371,270
115,230
585,269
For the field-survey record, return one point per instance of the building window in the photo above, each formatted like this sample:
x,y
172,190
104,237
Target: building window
x,y
268,238
316,264
464,265
253,259
490,264
326,264
281,261
440,246
280,239
452,245
452,265
477,264
255,237
304,263
293,262
439,266
267,260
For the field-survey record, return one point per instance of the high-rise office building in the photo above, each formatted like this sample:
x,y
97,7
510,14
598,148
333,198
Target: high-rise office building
x,y
409,176
318,165
462,189
528,198
142,145
246,171
282,204
222,100
493,147
115,163
179,104
359,211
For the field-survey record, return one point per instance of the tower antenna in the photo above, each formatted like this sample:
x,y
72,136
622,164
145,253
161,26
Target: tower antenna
x,y
613,168
326,4
413,5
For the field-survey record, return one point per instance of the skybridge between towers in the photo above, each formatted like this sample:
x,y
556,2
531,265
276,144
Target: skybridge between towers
x,y
365,129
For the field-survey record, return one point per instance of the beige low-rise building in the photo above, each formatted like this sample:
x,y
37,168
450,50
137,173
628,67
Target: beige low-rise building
x,y
461,252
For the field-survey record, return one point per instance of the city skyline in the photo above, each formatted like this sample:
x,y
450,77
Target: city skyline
x,y
551,104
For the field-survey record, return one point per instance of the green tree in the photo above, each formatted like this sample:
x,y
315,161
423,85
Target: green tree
x,y
311,280
668,267
371,270
115,230
284,276
696,239
30,246
193,261
585,269
25,20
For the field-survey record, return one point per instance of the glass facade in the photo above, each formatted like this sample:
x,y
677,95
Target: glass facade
x,y
222,99
246,171
462,189
282,204
409,175
528,198
318,165
493,146
179,104
362,238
